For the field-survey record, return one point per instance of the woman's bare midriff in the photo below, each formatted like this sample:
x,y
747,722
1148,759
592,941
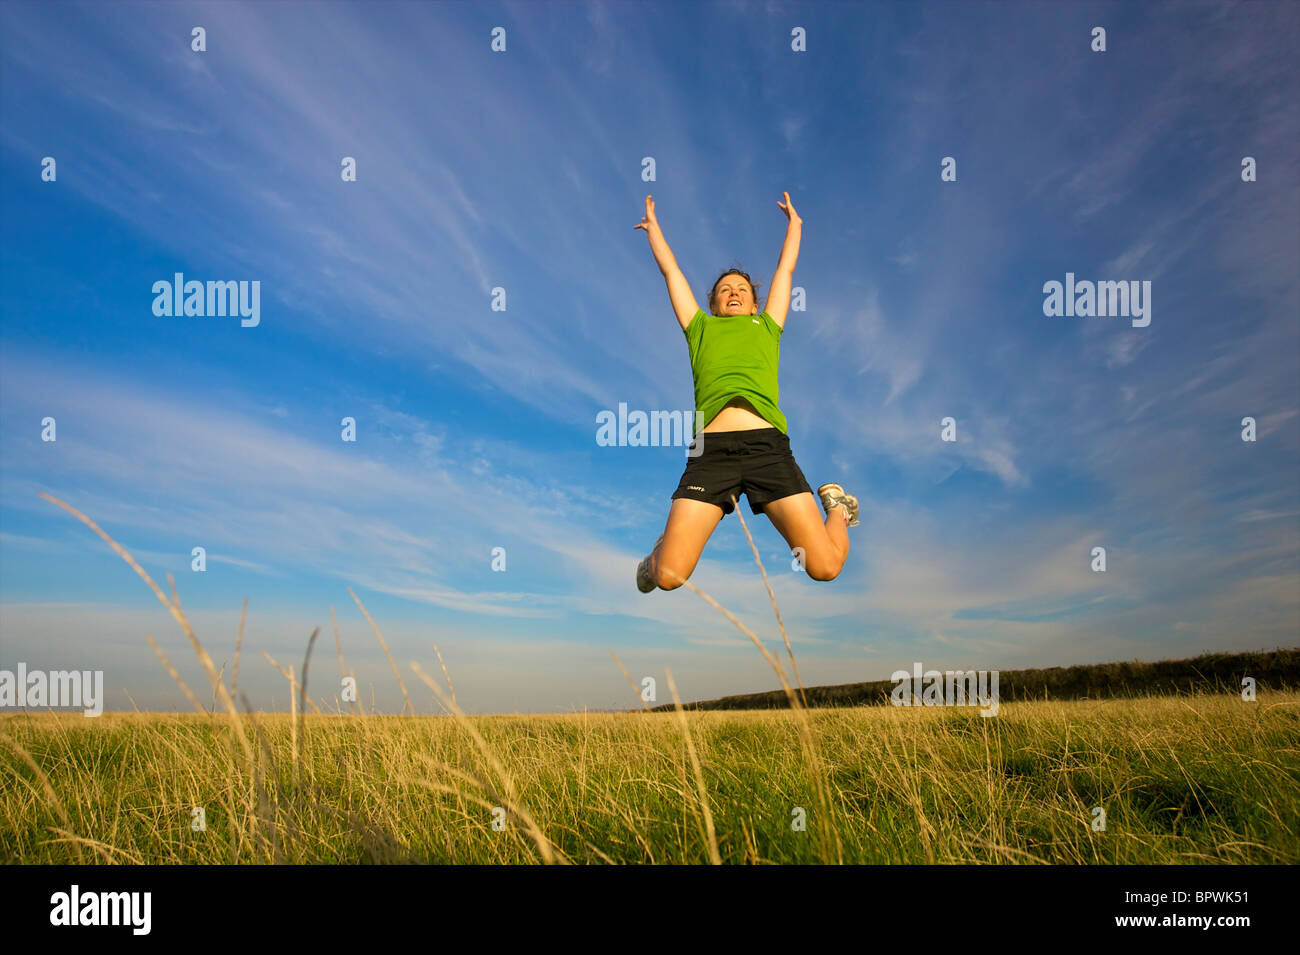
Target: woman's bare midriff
x,y
738,415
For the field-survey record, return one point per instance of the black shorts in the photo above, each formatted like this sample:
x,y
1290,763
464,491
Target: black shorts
x,y
756,463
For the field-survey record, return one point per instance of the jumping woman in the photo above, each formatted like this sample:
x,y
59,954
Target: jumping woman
x,y
740,443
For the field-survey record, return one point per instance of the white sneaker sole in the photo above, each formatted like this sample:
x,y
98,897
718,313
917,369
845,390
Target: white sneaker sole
x,y
833,495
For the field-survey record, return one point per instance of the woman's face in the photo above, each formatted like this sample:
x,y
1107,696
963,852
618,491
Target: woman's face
x,y
734,297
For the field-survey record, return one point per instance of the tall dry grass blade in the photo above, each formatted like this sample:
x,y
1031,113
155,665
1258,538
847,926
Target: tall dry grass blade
x,y
772,661
220,674
264,804
239,640
302,703
384,644
771,596
202,654
711,836
171,671
802,724
287,673
511,800
45,784
176,599
338,644
293,727
102,848
447,676
493,798
632,683
438,699
490,800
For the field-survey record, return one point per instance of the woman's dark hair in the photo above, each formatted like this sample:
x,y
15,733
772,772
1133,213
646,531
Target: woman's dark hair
x,y
753,287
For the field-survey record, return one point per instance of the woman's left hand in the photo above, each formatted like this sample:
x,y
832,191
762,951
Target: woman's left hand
x,y
788,208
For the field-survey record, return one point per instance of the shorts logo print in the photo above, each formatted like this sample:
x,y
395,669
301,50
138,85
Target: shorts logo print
x,y
756,464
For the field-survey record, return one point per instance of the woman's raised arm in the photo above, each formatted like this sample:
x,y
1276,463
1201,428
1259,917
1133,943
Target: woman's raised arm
x,y
679,290
778,293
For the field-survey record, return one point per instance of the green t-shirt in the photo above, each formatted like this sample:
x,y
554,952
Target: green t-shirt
x,y
734,355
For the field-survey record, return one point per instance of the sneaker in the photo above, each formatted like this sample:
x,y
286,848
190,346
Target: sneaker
x,y
833,495
645,581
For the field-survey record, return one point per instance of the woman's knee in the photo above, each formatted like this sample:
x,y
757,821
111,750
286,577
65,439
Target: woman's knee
x,y
823,568
669,578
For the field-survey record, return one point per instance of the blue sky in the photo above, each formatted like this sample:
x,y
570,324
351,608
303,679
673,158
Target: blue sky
x,y
476,428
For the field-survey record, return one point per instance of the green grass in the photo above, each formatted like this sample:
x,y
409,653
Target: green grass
x,y
1181,780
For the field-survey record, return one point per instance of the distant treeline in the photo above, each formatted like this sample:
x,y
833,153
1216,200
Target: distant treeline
x,y
1209,673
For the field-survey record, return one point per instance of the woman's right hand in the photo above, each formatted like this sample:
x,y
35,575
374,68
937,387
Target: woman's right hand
x,y
648,221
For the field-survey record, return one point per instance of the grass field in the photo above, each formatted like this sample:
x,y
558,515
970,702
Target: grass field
x,y
1201,779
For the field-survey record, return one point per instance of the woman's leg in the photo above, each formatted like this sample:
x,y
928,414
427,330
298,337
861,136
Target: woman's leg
x,y
825,541
690,524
